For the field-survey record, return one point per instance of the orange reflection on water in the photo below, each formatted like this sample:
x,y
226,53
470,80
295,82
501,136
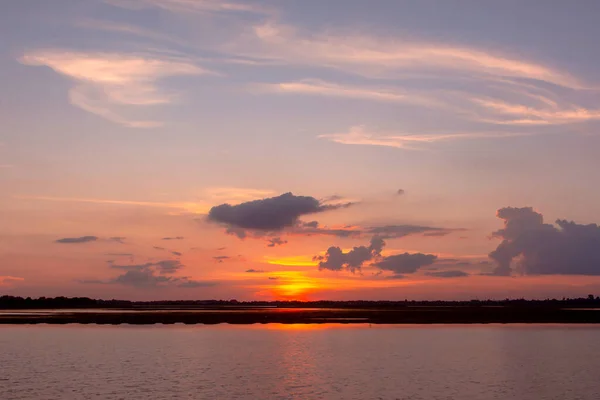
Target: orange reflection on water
x,y
301,327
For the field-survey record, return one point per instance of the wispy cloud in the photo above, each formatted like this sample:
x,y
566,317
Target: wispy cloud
x,y
198,207
376,56
520,114
192,6
7,280
108,82
359,135
316,87
236,195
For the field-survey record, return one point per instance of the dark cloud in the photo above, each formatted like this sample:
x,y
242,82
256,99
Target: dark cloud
x,y
333,198
220,259
158,248
148,278
118,239
393,277
82,239
277,241
545,249
141,278
163,267
398,231
273,278
400,192
152,275
190,283
339,232
221,248
239,232
311,224
255,271
336,260
173,238
271,214
168,266
176,253
119,254
438,233
405,263
448,274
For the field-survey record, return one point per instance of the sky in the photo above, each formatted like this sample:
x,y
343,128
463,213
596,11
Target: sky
x,y
299,149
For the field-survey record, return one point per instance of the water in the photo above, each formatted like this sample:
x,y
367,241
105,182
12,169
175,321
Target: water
x,y
300,362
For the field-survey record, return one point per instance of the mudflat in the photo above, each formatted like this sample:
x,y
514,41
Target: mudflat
x,y
246,315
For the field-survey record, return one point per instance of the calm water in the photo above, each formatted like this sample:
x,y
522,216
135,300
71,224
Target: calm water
x,y
300,362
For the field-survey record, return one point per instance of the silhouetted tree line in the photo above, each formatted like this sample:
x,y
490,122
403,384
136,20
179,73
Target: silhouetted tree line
x,y
12,302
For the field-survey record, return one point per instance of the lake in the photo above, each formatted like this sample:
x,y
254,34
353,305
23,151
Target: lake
x,y
330,361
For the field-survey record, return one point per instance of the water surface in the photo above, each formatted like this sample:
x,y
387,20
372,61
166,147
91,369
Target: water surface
x,y
479,362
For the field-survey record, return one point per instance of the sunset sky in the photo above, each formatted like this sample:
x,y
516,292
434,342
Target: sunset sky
x,y
299,149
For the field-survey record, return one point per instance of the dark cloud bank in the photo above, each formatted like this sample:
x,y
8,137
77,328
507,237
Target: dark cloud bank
x,y
544,249
268,215
353,261
152,275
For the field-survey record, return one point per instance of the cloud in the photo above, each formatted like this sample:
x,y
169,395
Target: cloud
x,y
388,57
235,194
336,260
545,249
151,275
507,113
118,239
325,231
274,278
82,239
315,87
386,232
448,274
119,254
405,263
255,271
270,214
9,280
193,207
164,267
173,238
190,283
277,241
107,83
398,231
359,135
141,278
400,192
192,6
176,253
220,259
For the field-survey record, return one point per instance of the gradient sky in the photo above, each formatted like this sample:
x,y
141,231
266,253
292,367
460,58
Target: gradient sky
x,y
124,122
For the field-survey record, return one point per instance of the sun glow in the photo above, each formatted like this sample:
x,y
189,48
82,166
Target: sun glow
x,y
291,261
292,285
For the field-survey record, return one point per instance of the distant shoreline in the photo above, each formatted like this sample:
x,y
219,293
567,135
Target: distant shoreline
x,y
233,315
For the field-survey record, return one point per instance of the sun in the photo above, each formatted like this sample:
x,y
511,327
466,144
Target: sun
x,y
293,285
